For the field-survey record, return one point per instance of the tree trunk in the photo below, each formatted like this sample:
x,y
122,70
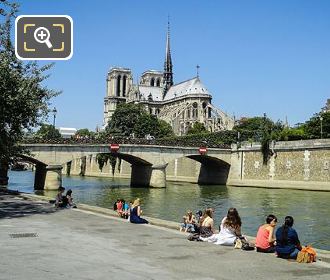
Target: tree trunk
x,y
4,174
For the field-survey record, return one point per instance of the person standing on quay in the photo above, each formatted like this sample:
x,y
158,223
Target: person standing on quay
x,y
136,212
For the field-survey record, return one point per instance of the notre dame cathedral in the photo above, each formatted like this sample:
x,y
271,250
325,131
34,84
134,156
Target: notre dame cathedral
x,y
181,105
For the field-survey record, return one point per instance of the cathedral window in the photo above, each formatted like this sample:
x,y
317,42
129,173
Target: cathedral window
x,y
124,85
209,112
152,82
158,82
195,110
118,86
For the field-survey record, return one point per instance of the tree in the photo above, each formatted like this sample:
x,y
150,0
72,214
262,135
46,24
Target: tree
x,y
146,124
260,129
131,118
256,128
23,97
197,128
312,127
124,119
293,133
47,131
165,129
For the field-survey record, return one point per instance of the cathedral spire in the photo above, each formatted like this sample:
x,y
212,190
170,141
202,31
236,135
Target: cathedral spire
x,y
168,74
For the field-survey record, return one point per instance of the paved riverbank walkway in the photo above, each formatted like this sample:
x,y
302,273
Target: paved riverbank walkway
x,y
39,243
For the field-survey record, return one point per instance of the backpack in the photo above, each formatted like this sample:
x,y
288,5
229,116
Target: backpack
x,y
242,243
306,255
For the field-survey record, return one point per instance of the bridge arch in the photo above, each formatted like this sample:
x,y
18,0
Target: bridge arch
x,y
213,171
46,176
141,169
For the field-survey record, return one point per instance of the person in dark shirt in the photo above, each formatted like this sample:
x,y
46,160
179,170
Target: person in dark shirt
x,y
287,241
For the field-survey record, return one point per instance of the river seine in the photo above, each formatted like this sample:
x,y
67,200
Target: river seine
x,y
311,210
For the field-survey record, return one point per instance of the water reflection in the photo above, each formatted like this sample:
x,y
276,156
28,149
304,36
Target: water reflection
x,y
309,209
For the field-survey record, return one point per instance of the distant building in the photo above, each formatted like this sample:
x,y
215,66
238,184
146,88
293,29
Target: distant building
x,y
327,107
67,132
181,105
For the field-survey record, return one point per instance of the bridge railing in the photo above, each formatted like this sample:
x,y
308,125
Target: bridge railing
x,y
172,141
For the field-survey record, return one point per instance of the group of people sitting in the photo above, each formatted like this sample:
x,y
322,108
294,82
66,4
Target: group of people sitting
x,y
64,201
131,211
122,208
285,243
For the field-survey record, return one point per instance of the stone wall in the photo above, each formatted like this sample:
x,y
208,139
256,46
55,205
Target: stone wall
x,y
295,164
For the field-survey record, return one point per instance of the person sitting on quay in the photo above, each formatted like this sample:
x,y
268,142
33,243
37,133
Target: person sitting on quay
x,y
265,237
207,223
287,241
136,212
129,210
119,205
70,203
205,228
60,200
188,222
199,216
230,229
126,210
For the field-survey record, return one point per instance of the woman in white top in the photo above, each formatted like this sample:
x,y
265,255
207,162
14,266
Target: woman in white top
x,y
230,229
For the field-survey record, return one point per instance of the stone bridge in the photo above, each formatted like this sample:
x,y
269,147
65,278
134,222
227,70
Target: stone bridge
x,y
146,165
301,164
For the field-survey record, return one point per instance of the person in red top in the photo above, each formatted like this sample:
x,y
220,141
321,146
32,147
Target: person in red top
x,y
265,237
119,207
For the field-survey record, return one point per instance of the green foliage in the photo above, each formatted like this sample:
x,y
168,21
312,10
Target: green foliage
x,y
146,124
131,118
260,129
124,119
23,96
47,131
296,133
102,159
164,129
197,128
215,139
257,128
312,127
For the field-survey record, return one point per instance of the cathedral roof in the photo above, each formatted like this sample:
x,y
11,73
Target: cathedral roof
x,y
156,92
186,88
192,86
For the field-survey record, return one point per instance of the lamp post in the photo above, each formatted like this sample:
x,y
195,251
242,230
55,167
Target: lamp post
x,y
321,119
54,115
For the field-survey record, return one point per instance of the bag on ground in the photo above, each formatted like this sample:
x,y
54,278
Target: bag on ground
x,y
306,255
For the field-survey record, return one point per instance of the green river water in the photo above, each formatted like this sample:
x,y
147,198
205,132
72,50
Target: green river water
x,y
311,210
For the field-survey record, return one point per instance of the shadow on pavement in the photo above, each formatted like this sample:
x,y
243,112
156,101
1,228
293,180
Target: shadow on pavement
x,y
12,205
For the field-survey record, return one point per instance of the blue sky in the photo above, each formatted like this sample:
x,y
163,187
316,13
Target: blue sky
x,y
254,56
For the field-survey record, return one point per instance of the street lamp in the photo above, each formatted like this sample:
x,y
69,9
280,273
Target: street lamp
x,y
321,119
54,114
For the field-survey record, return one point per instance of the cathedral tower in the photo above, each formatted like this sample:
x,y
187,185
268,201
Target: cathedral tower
x,y
119,82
